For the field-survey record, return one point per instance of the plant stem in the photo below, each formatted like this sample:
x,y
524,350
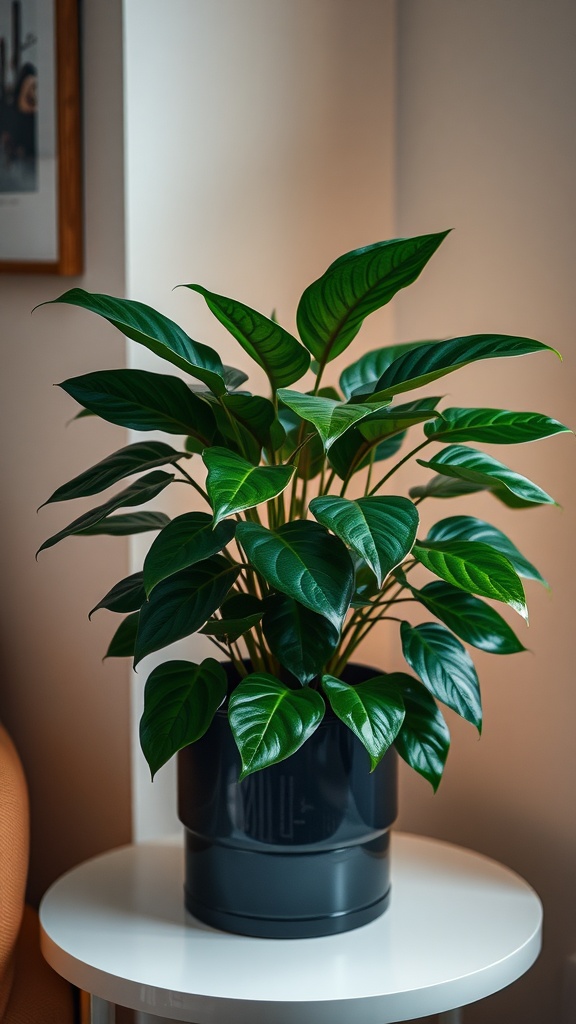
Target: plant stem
x,y
193,483
398,464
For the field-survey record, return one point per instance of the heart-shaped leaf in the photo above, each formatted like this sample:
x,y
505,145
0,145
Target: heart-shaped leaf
x,y
126,596
492,426
361,377
445,667
373,710
279,354
180,701
134,458
188,539
476,568
301,640
181,604
139,492
333,308
233,484
303,561
142,400
479,468
381,530
155,332
424,739
472,620
331,418
124,639
131,522
429,362
270,721
470,528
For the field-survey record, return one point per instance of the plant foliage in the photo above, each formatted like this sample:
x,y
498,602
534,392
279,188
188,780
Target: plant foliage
x,y
301,546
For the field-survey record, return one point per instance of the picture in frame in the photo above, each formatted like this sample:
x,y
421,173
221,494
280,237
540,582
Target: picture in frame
x,y
40,142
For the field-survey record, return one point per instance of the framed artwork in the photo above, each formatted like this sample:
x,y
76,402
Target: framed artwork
x,y
40,145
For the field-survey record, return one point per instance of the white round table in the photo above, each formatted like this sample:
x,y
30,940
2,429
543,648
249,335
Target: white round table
x,y
459,928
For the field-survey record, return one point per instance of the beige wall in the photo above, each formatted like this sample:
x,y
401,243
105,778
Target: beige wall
x,y
67,711
487,146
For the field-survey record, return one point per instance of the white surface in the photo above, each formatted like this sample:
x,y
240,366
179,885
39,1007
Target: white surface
x,y
459,927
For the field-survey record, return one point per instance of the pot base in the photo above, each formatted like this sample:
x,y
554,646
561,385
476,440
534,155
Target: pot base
x,y
287,895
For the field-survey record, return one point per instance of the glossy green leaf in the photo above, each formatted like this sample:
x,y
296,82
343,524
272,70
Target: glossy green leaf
x,y
311,456
130,522
476,568
492,426
373,710
234,485
180,701
441,486
360,378
445,667
424,739
381,530
365,584
134,458
299,638
469,528
181,604
429,362
155,332
379,436
278,353
479,468
331,418
270,721
124,639
126,596
303,561
142,400
230,629
254,414
240,612
139,492
469,618
190,538
333,308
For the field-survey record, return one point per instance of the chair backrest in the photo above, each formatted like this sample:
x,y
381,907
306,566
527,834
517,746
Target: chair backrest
x,y
14,852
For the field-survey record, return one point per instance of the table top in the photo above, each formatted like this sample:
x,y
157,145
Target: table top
x,y
459,927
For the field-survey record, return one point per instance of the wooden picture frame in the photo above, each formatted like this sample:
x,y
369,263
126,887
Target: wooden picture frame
x,y
41,188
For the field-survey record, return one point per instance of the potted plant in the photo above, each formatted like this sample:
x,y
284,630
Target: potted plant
x,y
295,547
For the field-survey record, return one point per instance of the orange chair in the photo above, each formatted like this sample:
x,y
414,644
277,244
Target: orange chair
x,y
30,991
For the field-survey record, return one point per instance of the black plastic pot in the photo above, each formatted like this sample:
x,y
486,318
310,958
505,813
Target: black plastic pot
x,y
297,850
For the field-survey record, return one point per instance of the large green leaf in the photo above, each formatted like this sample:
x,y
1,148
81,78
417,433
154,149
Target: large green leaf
x,y
333,308
270,721
190,538
130,522
381,530
311,456
373,710
181,604
303,561
124,639
156,332
476,568
424,739
134,458
470,528
180,701
441,486
445,667
234,485
299,638
360,378
274,349
472,620
142,400
479,468
331,418
255,416
496,426
240,612
429,362
139,492
126,596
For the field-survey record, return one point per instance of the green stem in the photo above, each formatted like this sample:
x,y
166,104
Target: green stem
x,y
398,464
193,483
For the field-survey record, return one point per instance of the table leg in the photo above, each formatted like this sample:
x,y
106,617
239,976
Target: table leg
x,y
450,1017
101,1011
